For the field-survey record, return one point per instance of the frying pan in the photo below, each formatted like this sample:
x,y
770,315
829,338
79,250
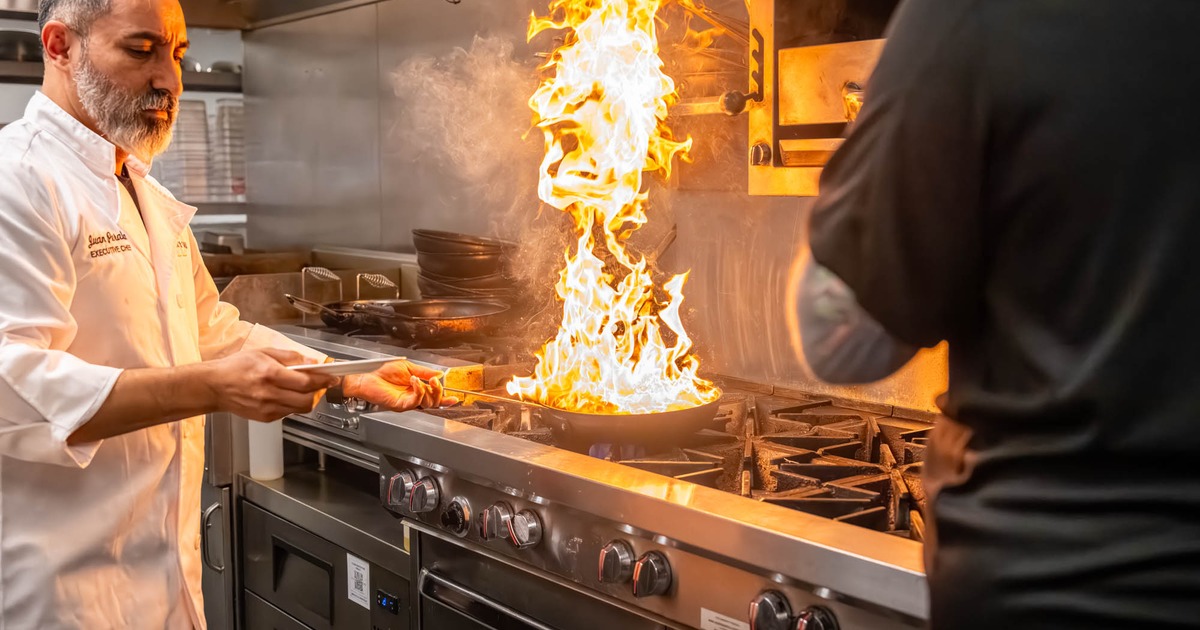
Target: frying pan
x,y
645,429
663,428
342,315
424,320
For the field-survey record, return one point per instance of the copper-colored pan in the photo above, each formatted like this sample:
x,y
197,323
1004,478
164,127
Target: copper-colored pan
x,y
659,428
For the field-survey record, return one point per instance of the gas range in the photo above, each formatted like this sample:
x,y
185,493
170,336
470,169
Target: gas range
x,y
791,511
802,452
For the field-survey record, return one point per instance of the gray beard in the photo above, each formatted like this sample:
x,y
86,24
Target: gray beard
x,y
118,115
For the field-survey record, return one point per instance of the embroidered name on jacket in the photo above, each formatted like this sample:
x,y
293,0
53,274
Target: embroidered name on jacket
x,y
108,243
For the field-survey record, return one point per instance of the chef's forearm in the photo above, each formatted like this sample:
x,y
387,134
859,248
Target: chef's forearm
x,y
150,396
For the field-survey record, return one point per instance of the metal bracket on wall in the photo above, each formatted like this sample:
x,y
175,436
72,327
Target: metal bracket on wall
x,y
757,68
810,80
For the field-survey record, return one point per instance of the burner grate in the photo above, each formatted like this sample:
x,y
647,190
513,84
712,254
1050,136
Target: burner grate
x,y
812,456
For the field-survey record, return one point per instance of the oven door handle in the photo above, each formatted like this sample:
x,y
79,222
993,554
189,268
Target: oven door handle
x,y
427,578
205,525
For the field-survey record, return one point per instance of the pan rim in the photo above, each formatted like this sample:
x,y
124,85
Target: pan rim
x,y
463,238
498,309
717,401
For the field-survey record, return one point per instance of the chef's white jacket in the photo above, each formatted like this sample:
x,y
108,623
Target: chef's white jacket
x,y
102,535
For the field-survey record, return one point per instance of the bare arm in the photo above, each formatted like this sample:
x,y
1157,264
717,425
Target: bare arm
x,y
253,384
146,397
842,343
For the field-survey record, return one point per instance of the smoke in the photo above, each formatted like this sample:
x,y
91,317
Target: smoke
x,y
465,117
467,113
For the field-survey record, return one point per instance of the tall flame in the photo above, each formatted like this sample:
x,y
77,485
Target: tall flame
x,y
603,113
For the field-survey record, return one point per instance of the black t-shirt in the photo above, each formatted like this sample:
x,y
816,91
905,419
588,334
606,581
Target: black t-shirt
x,y
1024,182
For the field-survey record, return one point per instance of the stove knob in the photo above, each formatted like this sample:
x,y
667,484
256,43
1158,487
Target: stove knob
x,y
457,516
524,529
424,496
616,562
493,522
399,486
816,618
770,611
651,575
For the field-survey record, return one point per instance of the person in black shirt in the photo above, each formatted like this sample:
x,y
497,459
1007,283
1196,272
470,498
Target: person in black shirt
x,y
1024,183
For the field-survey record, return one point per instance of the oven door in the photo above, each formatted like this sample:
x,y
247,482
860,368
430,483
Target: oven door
x,y
307,578
450,606
462,587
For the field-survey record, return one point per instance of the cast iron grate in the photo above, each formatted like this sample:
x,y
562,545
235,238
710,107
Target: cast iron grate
x,y
813,456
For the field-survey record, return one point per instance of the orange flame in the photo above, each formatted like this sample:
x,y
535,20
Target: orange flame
x,y
603,114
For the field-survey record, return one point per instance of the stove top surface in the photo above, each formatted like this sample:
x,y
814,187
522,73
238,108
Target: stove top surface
x,y
811,455
799,451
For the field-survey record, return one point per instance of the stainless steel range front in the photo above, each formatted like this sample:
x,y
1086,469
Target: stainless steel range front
x,y
789,513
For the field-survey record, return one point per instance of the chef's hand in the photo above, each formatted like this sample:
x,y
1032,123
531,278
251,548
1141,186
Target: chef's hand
x,y
257,385
399,386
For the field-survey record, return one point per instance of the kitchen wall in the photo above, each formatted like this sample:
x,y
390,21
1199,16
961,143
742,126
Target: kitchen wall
x,y
347,150
743,253
13,98
372,121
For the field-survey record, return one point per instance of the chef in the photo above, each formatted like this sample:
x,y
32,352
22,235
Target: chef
x,y
113,342
1024,182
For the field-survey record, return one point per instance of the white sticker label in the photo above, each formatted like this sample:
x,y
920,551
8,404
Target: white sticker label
x,y
358,581
712,620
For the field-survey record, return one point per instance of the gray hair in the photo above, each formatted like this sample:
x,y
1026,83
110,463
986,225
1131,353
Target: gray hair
x,y
77,14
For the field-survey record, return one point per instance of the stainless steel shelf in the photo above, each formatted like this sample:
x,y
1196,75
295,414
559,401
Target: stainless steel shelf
x,y
212,82
11,14
225,14
30,72
218,207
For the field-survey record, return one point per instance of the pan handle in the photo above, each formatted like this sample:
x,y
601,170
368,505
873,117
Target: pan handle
x,y
308,306
373,309
467,392
382,311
